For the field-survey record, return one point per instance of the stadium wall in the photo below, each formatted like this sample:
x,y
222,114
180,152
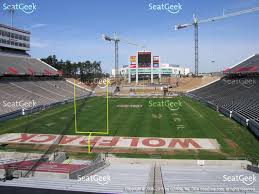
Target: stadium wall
x,y
10,115
240,119
225,111
252,168
254,126
22,112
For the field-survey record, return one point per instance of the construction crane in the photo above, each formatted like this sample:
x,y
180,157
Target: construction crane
x,y
116,40
196,23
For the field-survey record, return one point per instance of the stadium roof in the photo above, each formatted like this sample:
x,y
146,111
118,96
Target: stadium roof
x,y
16,29
249,65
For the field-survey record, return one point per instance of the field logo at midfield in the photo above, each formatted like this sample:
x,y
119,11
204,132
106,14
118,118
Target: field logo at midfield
x,y
171,105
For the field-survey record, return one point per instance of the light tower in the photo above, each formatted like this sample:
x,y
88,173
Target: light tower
x,y
11,11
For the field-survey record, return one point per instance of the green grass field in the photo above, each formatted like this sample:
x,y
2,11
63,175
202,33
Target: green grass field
x,y
191,120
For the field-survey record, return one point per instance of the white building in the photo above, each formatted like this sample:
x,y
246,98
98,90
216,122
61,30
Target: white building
x,y
145,65
14,38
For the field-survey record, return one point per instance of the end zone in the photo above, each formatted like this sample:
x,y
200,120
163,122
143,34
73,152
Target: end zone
x,y
111,143
107,117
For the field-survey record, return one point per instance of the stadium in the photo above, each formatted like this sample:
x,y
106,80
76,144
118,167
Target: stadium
x,y
149,127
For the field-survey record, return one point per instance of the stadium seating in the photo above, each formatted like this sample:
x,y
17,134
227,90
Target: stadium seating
x,y
249,65
24,65
42,92
31,80
238,94
120,179
133,178
203,179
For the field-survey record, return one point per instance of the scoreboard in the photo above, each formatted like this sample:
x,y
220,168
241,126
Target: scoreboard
x,y
144,59
132,61
156,61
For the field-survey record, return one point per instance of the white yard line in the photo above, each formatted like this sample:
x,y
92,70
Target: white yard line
x,y
194,110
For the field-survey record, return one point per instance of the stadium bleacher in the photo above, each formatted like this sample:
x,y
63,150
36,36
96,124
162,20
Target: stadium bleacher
x,y
205,179
41,92
11,64
249,65
133,178
29,80
234,94
120,179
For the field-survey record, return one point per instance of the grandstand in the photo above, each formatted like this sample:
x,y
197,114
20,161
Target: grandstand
x,y
236,95
249,65
229,93
12,64
26,80
211,178
140,135
121,177
134,178
42,91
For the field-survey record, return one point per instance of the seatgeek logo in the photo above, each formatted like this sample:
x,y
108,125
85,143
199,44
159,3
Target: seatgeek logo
x,y
26,8
171,8
245,179
173,106
101,180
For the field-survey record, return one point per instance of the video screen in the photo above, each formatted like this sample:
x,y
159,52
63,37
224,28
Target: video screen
x,y
129,97
144,59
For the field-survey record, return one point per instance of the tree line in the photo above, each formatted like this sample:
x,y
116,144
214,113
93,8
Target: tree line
x,y
86,71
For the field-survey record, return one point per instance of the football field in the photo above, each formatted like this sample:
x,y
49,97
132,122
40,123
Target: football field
x,y
178,117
